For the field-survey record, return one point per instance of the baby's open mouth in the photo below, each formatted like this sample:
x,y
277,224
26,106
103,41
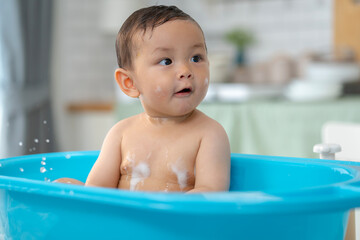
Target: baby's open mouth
x,y
184,91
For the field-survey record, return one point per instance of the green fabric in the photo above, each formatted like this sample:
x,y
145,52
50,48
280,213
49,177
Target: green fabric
x,y
276,127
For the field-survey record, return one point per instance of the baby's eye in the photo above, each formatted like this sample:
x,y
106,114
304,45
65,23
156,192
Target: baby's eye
x,y
196,58
165,62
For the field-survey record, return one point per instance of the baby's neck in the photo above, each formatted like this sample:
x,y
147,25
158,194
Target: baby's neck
x,y
165,120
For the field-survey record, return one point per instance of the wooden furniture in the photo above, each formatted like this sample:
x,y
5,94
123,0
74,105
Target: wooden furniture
x,y
347,26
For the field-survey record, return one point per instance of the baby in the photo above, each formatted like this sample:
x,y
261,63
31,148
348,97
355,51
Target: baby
x,y
171,146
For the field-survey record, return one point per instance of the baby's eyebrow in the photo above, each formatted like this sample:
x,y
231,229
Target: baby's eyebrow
x,y
166,49
161,49
198,45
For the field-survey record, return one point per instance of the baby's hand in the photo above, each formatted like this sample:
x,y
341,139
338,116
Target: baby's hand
x,y
68,181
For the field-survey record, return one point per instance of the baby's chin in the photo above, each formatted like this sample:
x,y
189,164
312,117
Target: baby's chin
x,y
184,111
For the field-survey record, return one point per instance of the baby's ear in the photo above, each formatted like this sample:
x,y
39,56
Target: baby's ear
x,y
125,82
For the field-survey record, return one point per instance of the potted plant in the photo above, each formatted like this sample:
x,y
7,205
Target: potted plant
x,y
242,39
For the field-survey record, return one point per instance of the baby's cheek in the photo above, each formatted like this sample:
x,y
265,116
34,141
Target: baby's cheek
x,y
206,82
159,92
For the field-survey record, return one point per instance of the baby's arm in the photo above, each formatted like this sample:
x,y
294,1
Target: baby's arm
x,y
106,170
213,161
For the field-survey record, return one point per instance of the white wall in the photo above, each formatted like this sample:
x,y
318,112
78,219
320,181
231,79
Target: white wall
x,y
82,71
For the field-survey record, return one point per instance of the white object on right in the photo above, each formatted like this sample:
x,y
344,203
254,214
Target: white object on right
x,y
302,90
327,150
347,134
332,72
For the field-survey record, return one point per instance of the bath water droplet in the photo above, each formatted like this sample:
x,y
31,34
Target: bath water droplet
x,y
21,169
46,179
30,150
0,165
47,140
43,163
36,140
43,158
34,148
71,192
42,169
20,144
45,122
67,156
51,169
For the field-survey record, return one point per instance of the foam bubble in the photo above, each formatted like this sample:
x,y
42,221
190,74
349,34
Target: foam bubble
x,y
158,89
181,176
139,174
206,81
42,169
21,169
43,163
130,158
166,188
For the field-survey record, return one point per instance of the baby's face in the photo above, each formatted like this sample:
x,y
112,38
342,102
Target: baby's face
x,y
171,69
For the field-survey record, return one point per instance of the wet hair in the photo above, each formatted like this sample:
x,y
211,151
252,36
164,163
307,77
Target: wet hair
x,y
142,20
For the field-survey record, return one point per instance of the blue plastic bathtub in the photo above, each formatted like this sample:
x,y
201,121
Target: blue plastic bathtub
x,y
270,198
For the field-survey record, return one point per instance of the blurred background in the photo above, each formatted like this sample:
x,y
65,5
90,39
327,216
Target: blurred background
x,y
280,70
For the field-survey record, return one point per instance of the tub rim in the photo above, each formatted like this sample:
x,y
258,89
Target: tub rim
x,y
331,197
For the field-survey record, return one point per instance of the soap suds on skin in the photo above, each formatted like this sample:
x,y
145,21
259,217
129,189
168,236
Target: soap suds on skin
x,y
180,174
158,89
206,81
166,188
130,158
140,172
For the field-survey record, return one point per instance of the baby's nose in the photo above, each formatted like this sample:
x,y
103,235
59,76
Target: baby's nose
x,y
185,75
184,72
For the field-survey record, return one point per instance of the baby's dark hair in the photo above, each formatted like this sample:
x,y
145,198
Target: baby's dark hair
x,y
143,19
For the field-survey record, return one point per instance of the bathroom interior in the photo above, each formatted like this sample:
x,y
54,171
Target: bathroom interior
x,y
284,74
279,71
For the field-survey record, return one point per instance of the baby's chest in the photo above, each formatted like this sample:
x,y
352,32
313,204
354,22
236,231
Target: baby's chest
x,y
169,164
166,158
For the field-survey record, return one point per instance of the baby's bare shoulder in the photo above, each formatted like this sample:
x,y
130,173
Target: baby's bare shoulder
x,y
207,124
125,123
121,127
